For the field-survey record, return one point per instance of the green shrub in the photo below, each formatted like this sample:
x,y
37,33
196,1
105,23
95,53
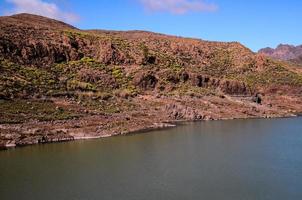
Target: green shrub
x,y
87,60
78,85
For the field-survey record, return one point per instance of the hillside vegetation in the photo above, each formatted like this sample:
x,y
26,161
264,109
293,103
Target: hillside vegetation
x,y
51,71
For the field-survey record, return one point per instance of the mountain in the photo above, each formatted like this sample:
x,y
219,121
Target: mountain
x,y
285,52
61,83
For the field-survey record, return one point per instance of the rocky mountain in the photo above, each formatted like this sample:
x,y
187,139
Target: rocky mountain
x,y
285,52
61,83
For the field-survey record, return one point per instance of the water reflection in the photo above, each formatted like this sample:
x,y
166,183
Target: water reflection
x,y
239,159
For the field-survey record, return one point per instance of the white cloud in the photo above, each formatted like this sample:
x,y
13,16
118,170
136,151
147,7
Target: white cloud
x,y
40,7
178,6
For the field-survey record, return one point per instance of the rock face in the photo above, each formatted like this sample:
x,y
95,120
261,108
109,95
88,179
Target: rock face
x,y
146,81
284,52
179,112
41,41
60,83
226,86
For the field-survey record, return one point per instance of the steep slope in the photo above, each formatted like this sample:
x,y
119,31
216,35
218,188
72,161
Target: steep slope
x,y
62,83
285,52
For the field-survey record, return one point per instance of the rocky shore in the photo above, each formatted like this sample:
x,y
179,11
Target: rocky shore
x,y
167,113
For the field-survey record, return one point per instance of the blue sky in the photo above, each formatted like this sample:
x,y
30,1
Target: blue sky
x,y
256,24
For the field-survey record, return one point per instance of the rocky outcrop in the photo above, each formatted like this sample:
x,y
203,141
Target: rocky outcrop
x,y
234,88
109,54
179,112
30,51
227,86
146,80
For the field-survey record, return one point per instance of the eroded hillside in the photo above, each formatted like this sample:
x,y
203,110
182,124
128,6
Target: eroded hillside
x,y
62,83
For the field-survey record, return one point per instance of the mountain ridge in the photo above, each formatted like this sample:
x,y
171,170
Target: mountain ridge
x,y
284,52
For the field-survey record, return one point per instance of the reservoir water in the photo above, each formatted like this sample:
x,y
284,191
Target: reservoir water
x,y
224,160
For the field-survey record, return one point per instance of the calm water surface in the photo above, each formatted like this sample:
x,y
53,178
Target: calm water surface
x,y
225,160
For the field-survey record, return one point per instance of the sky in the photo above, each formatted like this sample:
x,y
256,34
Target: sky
x,y
254,23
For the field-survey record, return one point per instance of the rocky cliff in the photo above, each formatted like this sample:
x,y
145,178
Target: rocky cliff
x,y
60,83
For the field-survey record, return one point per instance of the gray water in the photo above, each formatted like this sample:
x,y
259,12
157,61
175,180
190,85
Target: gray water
x,y
228,160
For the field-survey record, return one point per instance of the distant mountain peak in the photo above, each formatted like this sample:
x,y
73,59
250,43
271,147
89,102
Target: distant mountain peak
x,y
284,52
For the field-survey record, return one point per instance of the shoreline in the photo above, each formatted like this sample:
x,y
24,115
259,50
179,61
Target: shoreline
x,y
154,127
74,84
